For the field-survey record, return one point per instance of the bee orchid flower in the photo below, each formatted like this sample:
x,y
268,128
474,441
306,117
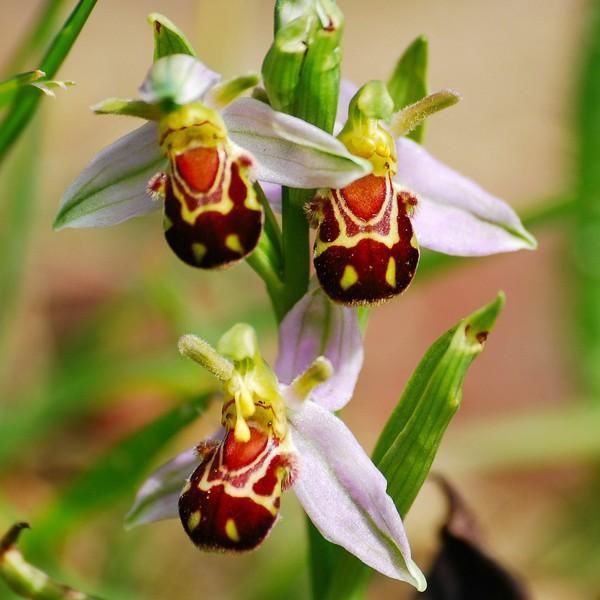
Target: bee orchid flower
x,y
198,159
279,432
369,233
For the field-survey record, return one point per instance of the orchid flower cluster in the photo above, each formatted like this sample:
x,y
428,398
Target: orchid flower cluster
x,y
323,153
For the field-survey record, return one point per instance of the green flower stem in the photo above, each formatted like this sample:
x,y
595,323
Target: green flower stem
x,y
26,101
586,234
262,265
25,579
296,252
272,230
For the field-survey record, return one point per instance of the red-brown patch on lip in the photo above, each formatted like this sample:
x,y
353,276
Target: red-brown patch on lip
x,y
365,196
238,454
198,167
365,248
214,229
215,519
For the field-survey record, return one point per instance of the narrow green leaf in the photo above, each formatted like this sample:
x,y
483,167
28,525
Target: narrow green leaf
x,y
430,400
586,235
9,86
168,38
412,435
115,476
19,198
408,82
25,103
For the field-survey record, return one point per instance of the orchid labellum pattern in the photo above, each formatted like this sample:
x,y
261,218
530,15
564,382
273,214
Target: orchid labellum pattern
x,y
212,216
368,233
279,430
187,161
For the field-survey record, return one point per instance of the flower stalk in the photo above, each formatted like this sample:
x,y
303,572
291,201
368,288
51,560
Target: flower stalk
x,y
26,580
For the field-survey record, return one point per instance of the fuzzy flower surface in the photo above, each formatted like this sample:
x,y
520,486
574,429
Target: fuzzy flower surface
x,y
198,159
280,431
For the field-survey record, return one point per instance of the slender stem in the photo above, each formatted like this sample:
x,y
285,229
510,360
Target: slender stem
x,y
263,261
25,579
26,101
296,251
272,230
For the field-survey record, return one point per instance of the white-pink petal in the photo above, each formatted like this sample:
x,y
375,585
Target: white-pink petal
x,y
179,78
317,327
345,495
273,194
455,215
158,498
112,188
290,151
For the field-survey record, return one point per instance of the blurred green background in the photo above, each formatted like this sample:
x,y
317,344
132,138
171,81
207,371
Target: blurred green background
x,y
91,383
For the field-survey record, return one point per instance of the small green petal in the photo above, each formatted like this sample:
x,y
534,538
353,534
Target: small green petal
x,y
131,108
168,38
222,94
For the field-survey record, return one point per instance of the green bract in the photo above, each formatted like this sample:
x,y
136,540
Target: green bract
x,y
410,440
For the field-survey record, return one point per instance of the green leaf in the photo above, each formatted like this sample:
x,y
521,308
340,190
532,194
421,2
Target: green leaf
x,y
115,475
586,235
412,435
408,82
430,400
19,198
25,103
168,38
9,86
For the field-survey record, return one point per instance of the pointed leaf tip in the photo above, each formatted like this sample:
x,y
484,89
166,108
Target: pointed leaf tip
x,y
480,323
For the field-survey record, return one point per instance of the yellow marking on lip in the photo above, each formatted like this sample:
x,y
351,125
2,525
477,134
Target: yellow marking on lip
x,y
349,278
167,223
199,251
194,520
232,241
231,530
390,272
